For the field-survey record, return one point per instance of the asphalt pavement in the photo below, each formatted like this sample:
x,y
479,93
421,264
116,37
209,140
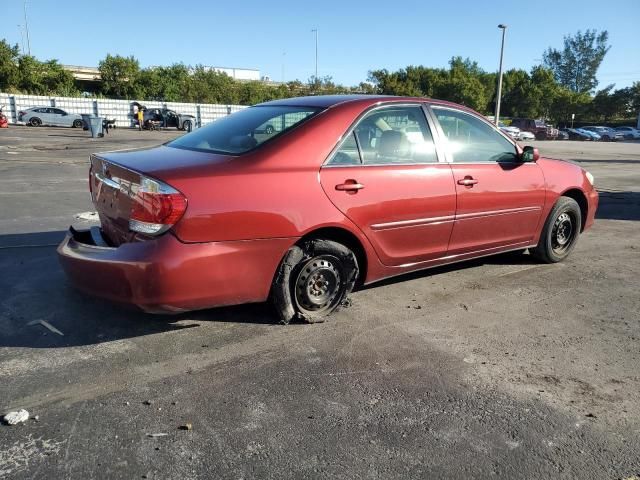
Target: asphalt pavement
x,y
495,368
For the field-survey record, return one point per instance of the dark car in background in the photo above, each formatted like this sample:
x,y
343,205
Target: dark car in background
x,y
539,128
164,117
574,134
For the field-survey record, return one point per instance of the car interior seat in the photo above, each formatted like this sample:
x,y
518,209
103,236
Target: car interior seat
x,y
393,144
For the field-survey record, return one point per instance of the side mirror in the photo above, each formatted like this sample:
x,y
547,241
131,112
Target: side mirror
x,y
530,154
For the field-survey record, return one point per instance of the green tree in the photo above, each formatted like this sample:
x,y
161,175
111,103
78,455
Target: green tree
x,y
465,86
608,104
633,93
576,65
8,66
209,86
120,76
164,83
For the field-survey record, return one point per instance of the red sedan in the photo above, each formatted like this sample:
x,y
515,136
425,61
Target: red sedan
x,y
340,191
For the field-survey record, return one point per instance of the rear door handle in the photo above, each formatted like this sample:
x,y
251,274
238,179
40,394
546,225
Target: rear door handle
x,y
467,181
349,186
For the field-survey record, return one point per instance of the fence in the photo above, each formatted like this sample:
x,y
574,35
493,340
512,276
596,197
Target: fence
x,y
120,110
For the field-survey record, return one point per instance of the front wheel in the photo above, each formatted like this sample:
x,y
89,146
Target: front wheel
x,y
560,233
313,280
187,125
77,124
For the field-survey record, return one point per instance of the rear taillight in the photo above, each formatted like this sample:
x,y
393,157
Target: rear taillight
x,y
156,207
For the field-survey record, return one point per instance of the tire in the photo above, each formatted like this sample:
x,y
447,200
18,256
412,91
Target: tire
x,y
187,125
313,280
77,124
560,233
269,130
35,122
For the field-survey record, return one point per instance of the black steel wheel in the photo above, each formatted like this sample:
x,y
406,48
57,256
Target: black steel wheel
x,y
317,286
560,232
313,280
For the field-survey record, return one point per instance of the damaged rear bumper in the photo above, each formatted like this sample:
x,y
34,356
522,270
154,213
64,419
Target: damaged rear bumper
x,y
165,275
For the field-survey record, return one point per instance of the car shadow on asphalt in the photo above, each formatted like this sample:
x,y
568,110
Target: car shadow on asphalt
x,y
620,161
40,309
619,206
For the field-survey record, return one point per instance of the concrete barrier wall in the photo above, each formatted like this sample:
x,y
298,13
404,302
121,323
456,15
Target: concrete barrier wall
x,y
120,110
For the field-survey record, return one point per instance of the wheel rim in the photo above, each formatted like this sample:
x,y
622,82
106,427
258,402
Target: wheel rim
x,y
35,122
563,233
318,285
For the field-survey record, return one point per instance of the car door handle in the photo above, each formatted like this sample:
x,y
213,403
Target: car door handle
x,y
467,181
349,186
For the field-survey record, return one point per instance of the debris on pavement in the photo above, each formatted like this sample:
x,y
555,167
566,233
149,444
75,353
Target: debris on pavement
x,y
186,426
13,418
46,325
156,435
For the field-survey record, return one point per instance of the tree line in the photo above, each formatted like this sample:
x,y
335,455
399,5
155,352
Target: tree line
x,y
564,84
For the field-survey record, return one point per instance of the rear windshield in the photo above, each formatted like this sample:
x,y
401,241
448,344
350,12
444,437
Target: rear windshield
x,y
244,130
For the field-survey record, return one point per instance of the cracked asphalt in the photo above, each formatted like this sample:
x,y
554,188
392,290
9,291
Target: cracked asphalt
x,y
495,368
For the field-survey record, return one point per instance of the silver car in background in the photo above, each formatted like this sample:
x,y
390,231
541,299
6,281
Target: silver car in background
x,y
37,116
607,134
629,133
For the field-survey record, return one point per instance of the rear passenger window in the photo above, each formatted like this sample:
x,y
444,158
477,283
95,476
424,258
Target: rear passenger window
x,y
471,140
347,154
395,135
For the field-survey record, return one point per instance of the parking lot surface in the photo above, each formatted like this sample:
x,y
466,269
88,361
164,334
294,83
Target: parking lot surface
x,y
497,367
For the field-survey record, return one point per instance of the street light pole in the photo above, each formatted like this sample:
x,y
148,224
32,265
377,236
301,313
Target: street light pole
x,y
22,38
504,29
315,30
26,27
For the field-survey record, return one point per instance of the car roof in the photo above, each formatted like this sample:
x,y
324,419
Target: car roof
x,y
326,101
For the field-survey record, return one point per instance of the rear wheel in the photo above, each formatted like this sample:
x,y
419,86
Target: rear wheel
x,y
269,130
313,280
560,233
35,122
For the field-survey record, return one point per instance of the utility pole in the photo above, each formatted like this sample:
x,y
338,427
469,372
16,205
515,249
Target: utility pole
x,y
504,29
21,38
26,26
283,55
315,30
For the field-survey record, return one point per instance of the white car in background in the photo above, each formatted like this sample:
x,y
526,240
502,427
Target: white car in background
x,y
524,136
513,132
38,116
629,133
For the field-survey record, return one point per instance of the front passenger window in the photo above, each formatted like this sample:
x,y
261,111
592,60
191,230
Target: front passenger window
x,y
471,140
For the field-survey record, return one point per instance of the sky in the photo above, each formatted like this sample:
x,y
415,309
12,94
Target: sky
x,y
354,36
